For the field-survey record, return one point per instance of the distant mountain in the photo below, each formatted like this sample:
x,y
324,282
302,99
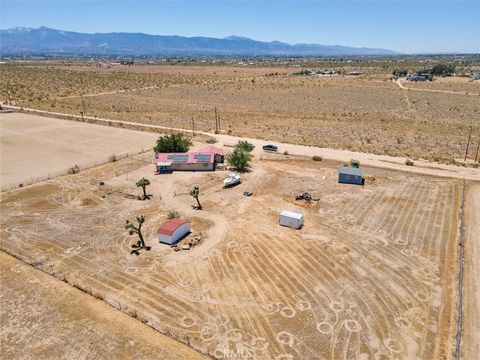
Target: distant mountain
x,y
44,40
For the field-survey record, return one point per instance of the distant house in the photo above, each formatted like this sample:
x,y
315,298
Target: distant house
x,y
354,73
205,159
173,230
328,73
350,175
418,77
475,76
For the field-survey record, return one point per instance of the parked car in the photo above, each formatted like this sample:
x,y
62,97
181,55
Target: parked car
x,y
270,147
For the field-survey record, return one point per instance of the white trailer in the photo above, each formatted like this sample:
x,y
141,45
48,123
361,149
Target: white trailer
x,y
291,219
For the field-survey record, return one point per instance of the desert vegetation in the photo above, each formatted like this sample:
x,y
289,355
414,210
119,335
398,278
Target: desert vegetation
x,y
368,113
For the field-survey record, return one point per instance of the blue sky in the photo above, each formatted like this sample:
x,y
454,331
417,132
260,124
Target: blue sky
x,y
407,26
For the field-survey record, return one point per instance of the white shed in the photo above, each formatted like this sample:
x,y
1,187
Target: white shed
x,y
173,230
291,219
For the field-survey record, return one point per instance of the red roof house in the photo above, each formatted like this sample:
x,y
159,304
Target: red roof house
x,y
203,160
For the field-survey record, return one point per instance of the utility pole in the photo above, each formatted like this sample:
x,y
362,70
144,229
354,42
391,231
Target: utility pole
x,y
468,143
476,154
216,120
193,125
84,106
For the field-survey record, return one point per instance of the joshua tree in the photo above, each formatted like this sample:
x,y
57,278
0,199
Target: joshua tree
x,y
143,183
194,193
132,229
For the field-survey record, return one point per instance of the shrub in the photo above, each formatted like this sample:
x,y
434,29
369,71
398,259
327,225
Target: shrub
x,y
211,140
285,152
244,145
172,214
239,159
317,158
354,163
113,158
172,143
73,170
409,162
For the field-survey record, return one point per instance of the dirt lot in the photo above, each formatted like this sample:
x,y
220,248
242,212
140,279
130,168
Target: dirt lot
x,y
44,318
366,113
34,147
370,276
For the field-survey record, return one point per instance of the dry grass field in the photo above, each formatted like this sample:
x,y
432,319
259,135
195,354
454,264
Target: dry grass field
x,y
35,148
371,275
43,318
367,113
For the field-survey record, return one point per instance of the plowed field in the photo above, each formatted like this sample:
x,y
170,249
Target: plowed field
x,y
371,275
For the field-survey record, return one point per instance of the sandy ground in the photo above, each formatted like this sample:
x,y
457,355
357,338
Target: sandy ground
x,y
34,147
365,114
44,318
471,333
370,276
382,161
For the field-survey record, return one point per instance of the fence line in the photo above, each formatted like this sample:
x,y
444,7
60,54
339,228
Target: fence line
x,y
137,155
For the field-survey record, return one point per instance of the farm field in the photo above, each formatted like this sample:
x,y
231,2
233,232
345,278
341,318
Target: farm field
x,y
371,275
369,113
43,318
34,147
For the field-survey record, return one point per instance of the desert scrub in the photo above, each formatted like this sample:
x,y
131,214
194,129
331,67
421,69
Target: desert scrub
x,y
409,162
211,140
172,214
317,158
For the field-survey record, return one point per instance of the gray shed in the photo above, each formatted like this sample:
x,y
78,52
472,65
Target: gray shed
x,y
350,175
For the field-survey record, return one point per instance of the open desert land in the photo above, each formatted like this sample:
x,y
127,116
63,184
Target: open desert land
x,y
371,275
43,318
369,113
35,148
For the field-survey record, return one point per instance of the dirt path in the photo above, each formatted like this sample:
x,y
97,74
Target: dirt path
x,y
471,335
44,318
382,161
400,84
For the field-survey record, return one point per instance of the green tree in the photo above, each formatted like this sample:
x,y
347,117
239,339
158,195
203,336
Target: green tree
x,y
399,72
143,183
132,229
239,159
195,192
172,143
245,146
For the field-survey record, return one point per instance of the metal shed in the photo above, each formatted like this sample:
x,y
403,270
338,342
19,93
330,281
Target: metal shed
x,y
350,175
291,219
173,230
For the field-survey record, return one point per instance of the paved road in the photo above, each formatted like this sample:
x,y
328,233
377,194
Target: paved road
x,y
382,161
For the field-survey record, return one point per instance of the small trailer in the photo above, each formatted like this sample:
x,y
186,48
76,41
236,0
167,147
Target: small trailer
x,y
291,219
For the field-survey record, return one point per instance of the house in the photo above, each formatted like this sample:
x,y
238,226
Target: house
x,y
173,230
205,159
350,175
418,77
291,219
